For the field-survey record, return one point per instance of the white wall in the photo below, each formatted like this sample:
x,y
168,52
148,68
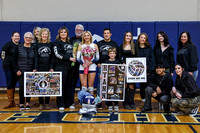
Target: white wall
x,y
100,10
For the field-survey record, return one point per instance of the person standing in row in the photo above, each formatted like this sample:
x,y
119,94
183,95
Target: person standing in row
x,y
145,50
44,60
87,69
36,32
187,54
103,46
128,50
11,77
23,61
62,62
76,41
164,53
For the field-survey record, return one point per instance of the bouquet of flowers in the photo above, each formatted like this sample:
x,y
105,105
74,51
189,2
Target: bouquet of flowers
x,y
88,54
75,48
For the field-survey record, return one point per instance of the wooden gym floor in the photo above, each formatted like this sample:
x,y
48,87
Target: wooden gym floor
x,y
13,120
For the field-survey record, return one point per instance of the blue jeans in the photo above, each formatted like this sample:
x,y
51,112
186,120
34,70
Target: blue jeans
x,y
11,78
195,74
98,80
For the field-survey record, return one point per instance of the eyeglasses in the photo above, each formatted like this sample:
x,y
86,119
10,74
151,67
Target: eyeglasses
x,y
28,37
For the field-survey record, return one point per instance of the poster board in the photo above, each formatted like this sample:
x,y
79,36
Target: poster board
x,y
112,83
136,70
42,84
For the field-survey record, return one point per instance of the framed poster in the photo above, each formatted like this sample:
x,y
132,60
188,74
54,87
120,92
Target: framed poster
x,y
112,83
136,70
42,84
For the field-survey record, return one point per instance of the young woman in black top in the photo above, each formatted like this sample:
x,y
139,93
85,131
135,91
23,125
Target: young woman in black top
x,y
145,50
187,54
128,50
164,53
11,77
44,60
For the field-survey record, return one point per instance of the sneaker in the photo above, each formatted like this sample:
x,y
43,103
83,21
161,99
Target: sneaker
x,y
21,108
160,106
47,107
28,107
133,106
127,106
116,108
41,107
110,108
194,111
178,113
61,108
99,106
72,106
146,109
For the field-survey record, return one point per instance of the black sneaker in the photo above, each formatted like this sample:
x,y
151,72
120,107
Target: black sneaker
x,y
28,107
144,109
127,106
21,108
99,106
133,106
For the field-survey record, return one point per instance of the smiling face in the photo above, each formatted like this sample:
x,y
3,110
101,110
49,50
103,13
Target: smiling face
x,y
179,70
28,38
63,34
112,55
128,37
160,38
86,37
107,35
142,39
184,38
36,33
15,38
79,31
44,36
160,71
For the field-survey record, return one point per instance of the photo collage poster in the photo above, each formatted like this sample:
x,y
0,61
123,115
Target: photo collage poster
x,y
136,70
112,82
42,84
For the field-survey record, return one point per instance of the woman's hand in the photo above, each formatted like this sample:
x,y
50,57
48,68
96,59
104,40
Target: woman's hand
x,y
19,73
51,70
34,70
85,65
178,95
174,90
72,59
191,73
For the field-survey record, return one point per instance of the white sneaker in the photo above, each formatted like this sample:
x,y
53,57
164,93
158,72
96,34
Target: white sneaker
x,y
110,108
178,113
160,106
194,111
72,107
116,108
61,108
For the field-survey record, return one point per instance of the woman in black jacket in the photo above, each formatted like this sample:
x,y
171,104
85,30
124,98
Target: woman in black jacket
x,y
187,54
145,50
44,60
11,77
23,61
128,50
63,59
164,52
186,93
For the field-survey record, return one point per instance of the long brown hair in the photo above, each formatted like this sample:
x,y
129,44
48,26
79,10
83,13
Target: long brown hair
x,y
131,42
146,42
59,31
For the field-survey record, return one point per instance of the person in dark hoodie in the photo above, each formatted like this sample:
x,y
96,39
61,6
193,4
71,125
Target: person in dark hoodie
x,y
145,50
44,60
62,62
159,88
164,52
128,50
11,77
23,61
185,94
187,54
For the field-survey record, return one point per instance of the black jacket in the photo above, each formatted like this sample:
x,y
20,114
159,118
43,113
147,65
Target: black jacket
x,y
103,50
44,56
123,54
23,58
187,86
188,58
148,53
116,61
62,51
166,57
7,54
164,82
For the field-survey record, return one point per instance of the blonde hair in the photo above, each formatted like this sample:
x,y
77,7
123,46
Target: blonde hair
x,y
112,49
40,35
83,41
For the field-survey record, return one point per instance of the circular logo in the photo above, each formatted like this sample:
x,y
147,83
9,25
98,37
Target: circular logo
x,y
136,68
43,84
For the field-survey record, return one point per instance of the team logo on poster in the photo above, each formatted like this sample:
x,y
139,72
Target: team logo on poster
x,y
112,82
41,84
136,70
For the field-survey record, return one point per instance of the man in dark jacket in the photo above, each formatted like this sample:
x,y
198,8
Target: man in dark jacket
x,y
159,88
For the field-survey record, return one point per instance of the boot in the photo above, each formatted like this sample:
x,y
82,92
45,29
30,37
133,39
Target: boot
x,y
13,97
10,99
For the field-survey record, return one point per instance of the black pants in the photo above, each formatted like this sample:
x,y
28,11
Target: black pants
x,y
42,101
21,90
66,99
129,96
